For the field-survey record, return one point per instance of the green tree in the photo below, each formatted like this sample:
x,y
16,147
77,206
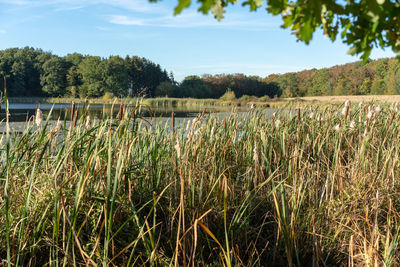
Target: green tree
x,y
92,77
193,86
53,78
74,81
378,86
288,84
321,83
165,88
115,76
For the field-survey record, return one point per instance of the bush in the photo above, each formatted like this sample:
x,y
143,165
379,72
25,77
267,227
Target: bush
x,y
108,96
264,98
228,96
245,98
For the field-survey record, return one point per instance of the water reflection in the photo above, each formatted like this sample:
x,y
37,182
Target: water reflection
x,y
22,112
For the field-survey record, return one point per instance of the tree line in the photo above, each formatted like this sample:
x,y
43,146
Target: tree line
x,y
379,77
215,86
34,72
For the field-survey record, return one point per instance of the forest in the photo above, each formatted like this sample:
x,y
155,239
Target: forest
x,y
375,77
34,72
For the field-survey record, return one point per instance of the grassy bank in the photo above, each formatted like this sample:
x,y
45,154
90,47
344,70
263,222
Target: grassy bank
x,y
326,101
320,187
152,102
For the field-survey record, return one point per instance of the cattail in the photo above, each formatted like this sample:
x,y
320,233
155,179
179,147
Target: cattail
x,y
212,132
87,125
173,121
72,110
360,105
273,115
311,115
255,154
393,107
178,149
344,111
121,111
277,123
319,118
58,126
352,125
188,125
39,117
75,118
346,108
369,114
256,164
337,127
365,133
378,109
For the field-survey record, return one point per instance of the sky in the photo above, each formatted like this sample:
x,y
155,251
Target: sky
x,y
191,43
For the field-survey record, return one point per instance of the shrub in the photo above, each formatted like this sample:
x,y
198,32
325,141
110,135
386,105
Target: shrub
x,y
108,96
228,96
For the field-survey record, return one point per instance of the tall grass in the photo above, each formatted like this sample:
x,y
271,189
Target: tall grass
x,y
315,188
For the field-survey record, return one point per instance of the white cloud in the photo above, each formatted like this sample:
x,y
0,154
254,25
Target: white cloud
x,y
194,20
69,8
124,20
141,6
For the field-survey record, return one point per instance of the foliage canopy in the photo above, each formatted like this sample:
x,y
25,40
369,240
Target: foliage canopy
x,y
361,24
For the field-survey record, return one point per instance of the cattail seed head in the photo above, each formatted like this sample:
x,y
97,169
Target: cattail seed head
x,y
58,126
369,114
39,117
88,122
178,149
344,111
319,118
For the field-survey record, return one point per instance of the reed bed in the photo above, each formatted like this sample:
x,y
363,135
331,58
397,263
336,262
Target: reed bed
x,y
314,187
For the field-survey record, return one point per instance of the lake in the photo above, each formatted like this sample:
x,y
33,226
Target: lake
x,y
21,113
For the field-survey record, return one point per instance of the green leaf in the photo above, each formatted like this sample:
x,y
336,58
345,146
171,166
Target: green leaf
x,y
254,4
375,25
181,5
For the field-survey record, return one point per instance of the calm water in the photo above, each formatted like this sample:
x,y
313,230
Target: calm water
x,y
22,112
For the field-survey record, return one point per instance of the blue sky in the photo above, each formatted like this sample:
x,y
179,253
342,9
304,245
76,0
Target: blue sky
x,y
190,43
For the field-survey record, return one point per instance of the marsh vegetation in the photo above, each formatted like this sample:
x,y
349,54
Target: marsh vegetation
x,y
319,186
